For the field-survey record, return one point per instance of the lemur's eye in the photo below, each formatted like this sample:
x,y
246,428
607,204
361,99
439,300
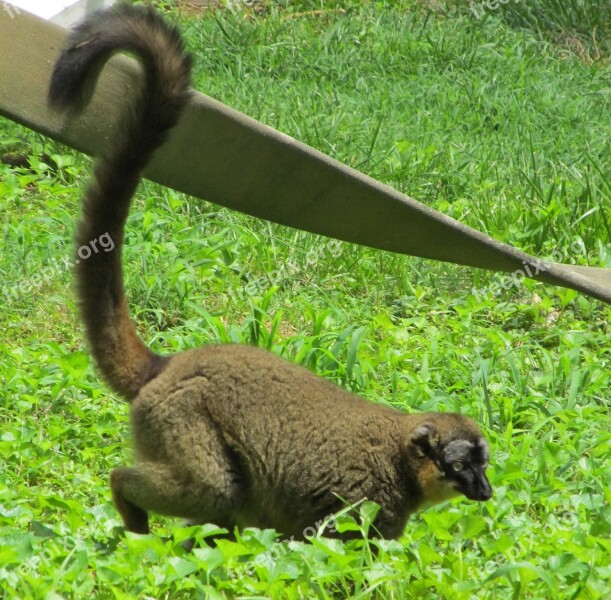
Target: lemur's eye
x,y
458,466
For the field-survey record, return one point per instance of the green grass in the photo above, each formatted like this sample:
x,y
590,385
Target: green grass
x,y
493,125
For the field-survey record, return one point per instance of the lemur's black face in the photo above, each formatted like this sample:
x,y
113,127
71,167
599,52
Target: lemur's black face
x,y
464,463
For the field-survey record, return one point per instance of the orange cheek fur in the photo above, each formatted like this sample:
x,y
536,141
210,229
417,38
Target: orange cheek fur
x,y
434,487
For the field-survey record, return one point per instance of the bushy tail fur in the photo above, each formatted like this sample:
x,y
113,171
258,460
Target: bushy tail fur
x,y
125,361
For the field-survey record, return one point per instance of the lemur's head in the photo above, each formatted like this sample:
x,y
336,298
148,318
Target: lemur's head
x,y
454,455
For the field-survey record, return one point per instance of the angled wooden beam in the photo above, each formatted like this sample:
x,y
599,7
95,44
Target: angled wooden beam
x,y
221,155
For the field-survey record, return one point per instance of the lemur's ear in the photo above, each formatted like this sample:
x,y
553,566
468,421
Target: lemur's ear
x,y
425,439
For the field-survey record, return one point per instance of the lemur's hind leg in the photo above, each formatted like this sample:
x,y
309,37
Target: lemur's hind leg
x,y
156,487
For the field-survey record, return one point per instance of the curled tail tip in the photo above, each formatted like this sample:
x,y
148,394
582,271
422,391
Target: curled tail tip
x,y
65,95
77,68
126,27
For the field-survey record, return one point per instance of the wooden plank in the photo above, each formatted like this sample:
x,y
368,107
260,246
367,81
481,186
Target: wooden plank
x,y
223,156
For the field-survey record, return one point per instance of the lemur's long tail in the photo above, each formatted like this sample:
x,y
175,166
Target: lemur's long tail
x,y
125,361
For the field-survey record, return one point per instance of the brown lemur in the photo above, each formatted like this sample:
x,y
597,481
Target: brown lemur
x,y
231,434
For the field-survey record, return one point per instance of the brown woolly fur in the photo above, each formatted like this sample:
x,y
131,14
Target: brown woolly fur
x,y
232,434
